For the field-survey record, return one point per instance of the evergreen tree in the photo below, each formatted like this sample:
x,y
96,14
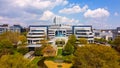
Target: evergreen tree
x,y
72,39
68,49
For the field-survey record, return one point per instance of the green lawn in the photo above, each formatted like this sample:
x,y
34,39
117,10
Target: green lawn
x,y
59,53
35,61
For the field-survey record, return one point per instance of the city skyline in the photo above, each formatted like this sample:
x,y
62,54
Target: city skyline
x,y
99,14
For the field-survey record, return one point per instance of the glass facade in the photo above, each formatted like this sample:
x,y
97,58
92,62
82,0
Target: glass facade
x,y
59,33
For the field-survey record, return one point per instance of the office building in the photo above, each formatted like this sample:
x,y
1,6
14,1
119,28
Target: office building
x,y
38,32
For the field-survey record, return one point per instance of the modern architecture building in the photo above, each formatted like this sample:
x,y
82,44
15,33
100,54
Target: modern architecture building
x,y
106,34
38,32
16,28
13,28
3,28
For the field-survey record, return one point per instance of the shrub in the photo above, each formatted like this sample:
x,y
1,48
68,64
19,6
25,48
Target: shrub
x,y
23,50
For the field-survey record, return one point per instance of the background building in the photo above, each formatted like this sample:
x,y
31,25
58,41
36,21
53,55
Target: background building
x,y
3,28
13,28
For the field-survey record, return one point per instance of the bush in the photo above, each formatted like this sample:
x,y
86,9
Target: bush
x,y
23,50
38,52
68,59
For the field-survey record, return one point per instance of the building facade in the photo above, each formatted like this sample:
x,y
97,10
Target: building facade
x,y
13,28
36,33
16,28
107,34
3,28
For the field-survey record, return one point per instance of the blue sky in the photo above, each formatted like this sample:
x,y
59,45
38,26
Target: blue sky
x,y
98,13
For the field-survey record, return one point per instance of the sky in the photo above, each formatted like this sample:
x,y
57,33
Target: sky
x,y
98,13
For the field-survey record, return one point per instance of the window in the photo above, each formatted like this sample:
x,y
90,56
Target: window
x,y
81,33
36,33
82,30
37,30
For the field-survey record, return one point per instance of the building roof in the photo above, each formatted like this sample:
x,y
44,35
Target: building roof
x,y
48,48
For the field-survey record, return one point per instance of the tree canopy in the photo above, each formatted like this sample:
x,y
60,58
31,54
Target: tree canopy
x,y
6,47
94,56
72,39
70,45
12,36
15,61
68,49
23,39
83,41
116,43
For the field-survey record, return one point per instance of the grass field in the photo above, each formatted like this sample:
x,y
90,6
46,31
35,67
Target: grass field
x,y
59,53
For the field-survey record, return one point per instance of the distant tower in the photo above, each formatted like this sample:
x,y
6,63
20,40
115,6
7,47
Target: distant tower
x,y
56,20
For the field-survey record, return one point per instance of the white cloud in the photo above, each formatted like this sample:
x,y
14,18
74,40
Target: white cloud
x,y
67,20
116,14
99,23
40,4
10,21
74,9
97,13
27,11
48,15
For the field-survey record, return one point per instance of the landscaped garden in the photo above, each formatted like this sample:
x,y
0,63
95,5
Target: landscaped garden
x,y
65,56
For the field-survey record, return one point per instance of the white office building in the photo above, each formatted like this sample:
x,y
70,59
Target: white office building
x,y
38,32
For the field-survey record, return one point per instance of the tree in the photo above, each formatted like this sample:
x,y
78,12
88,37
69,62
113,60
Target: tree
x,y
93,56
12,36
38,51
83,41
15,61
116,43
5,43
23,39
24,33
6,47
23,50
68,49
72,39
101,40
44,42
70,45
